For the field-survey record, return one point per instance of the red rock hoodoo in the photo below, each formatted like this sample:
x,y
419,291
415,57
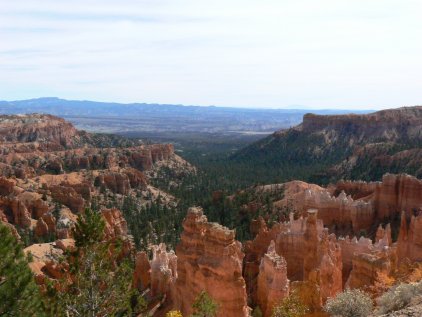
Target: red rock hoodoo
x,y
209,259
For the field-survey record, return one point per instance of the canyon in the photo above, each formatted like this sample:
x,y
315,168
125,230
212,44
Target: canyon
x,y
298,256
309,240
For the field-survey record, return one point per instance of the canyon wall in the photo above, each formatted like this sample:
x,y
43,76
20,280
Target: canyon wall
x,y
36,128
397,193
388,124
409,243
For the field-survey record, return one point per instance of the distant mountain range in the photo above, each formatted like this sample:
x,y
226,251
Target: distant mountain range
x,y
159,118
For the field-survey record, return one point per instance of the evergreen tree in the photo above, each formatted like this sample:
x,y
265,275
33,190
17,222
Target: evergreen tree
x,y
101,282
204,306
19,295
89,229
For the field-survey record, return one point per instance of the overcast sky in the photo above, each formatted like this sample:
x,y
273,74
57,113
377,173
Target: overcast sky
x,y
262,53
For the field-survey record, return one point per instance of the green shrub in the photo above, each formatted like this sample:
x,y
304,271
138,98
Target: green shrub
x,y
204,306
350,303
398,297
290,307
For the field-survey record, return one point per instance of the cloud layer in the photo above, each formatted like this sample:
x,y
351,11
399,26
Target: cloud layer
x,y
266,53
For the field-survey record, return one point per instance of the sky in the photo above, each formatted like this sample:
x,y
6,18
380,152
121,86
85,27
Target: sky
x,y
354,54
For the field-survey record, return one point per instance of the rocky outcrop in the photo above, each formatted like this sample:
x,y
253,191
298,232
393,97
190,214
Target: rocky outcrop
x,y
342,211
367,267
45,225
291,245
121,182
44,263
350,247
15,212
33,203
254,252
137,179
116,182
355,189
41,228
115,224
391,124
6,186
163,271
142,273
369,260
349,208
36,128
68,196
409,243
209,259
273,284
397,193
322,261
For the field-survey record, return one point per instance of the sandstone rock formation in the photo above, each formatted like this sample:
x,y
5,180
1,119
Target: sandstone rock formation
x,y
397,193
273,284
36,128
313,260
68,197
367,267
115,224
353,207
383,124
409,244
209,259
322,261
47,166
254,253
142,273
350,247
44,263
163,271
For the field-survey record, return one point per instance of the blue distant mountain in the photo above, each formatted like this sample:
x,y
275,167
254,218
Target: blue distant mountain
x,y
142,117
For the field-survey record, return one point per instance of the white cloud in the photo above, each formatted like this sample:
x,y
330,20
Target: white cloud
x,y
264,53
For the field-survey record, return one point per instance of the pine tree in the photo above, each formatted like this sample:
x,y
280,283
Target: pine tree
x,y
101,282
204,306
89,229
19,295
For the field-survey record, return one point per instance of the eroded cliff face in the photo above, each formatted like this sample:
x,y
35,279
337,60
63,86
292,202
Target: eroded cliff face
x,y
37,128
350,146
397,193
50,172
390,124
320,264
312,258
348,208
254,253
371,260
409,243
209,259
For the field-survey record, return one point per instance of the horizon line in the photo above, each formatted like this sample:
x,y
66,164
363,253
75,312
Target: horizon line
x,y
289,107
